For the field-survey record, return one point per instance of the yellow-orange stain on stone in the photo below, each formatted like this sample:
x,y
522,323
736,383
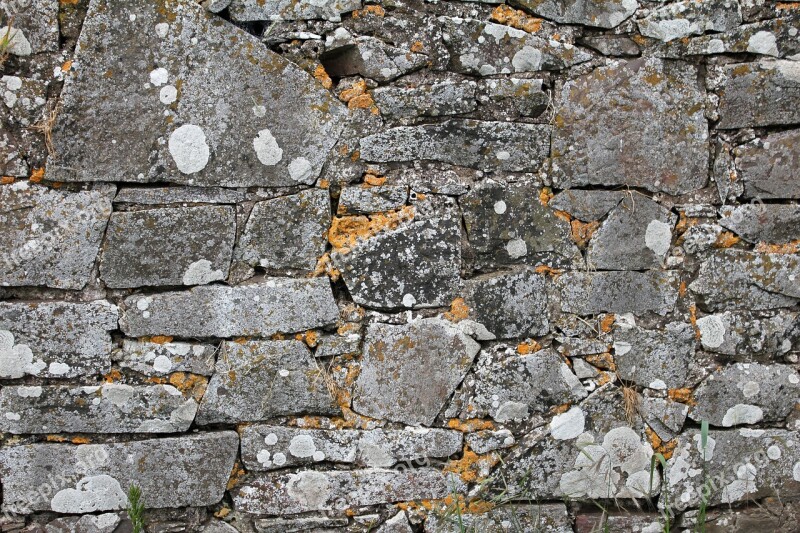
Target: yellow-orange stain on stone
x,y
377,11
222,513
112,376
325,268
311,338
788,248
373,180
516,19
7,180
189,384
559,409
545,195
726,239
417,47
469,468
66,66
237,473
348,231
161,339
604,361
321,75
469,425
582,231
37,175
659,446
683,395
528,347
607,322
458,310
693,321
549,271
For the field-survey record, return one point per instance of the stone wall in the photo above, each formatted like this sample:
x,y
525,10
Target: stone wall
x,y
333,265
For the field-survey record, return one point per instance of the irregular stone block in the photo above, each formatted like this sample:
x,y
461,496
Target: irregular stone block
x,y
746,393
746,280
586,205
390,385
172,472
768,167
763,93
102,523
21,147
664,416
36,21
273,447
746,336
287,232
178,195
172,246
262,309
264,379
51,238
612,45
333,345
657,139
598,13
364,200
372,58
437,99
397,524
655,359
590,293
56,339
110,408
244,116
550,517
507,225
161,359
778,224
336,490
482,145
690,17
332,10
512,98
488,440
289,525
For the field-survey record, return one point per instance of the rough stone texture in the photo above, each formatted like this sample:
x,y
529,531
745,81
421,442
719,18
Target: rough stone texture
x,y
275,305
173,472
178,195
290,525
438,99
550,518
154,359
745,335
102,523
247,10
599,13
37,20
777,224
690,17
664,416
768,167
185,246
762,93
654,359
638,123
372,58
50,238
586,205
617,292
20,146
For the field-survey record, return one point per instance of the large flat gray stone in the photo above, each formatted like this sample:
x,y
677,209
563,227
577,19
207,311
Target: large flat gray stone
x,y
598,13
585,293
763,93
748,337
690,17
249,10
768,168
653,358
778,224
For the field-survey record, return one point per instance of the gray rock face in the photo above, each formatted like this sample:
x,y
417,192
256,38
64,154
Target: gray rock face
x,y
273,447
657,140
36,21
586,205
56,339
664,416
154,359
482,145
173,472
551,517
214,130
50,238
178,195
315,490
768,167
364,200
747,393
248,10
745,336
272,306
747,280
236,392
102,523
110,408
287,232
756,94
184,246
584,293
291,525
654,359
390,385
25,99
437,99
372,58
690,17
513,98
777,224
487,440
599,13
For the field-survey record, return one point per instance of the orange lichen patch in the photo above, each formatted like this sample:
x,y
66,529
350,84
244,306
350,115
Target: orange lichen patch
x,y
346,232
189,383
373,180
56,438
363,101
114,375
236,474
528,347
377,11
350,327
472,467
355,156
6,180
787,5
607,322
603,378
469,425
516,19
311,422
80,440
563,215
682,395
66,66
604,361
639,39
788,248
693,321
548,270
726,239
324,184
659,446
682,288
458,310
222,513
685,223
582,231
322,76
158,380
357,89
37,175
353,420
417,47
241,340
325,268
559,409
161,339
311,338
653,79
545,195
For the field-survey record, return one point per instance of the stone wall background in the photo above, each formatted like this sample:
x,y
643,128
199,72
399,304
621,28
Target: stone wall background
x,y
400,265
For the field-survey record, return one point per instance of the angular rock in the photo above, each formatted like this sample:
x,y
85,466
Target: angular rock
x,y
746,393
598,13
37,23
512,98
508,225
292,525
336,490
655,359
746,336
586,205
408,372
51,238
56,339
638,123
763,93
482,145
102,523
161,359
361,200
271,306
257,380
612,45
768,167
111,408
747,280
178,195
243,116
250,10
437,99
488,440
550,517
590,293
172,246
273,447
333,345
287,232
397,524
690,17
372,58
172,472
777,224
637,235
664,416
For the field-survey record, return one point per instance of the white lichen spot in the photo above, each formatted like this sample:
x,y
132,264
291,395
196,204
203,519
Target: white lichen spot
x,y
742,414
300,170
188,148
500,207
502,155
712,331
29,392
17,43
750,388
117,393
774,452
92,493
267,149
162,29
658,384
763,42
528,59
568,425
279,459
516,248
162,364
271,439
12,416
259,111
658,237
409,300
200,273
263,457
168,94
302,446
310,489
159,76
15,360
58,369
708,452
319,455
796,471
283,373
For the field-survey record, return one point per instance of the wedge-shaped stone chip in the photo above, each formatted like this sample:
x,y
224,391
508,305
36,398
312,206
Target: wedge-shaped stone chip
x,y
764,93
549,517
258,380
248,10
262,309
590,293
190,471
769,167
638,123
194,100
654,358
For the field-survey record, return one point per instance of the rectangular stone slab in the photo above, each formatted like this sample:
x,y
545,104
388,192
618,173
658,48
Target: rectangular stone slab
x,y
160,359
590,293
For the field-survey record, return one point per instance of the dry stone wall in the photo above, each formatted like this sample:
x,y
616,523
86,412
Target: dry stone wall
x,y
400,265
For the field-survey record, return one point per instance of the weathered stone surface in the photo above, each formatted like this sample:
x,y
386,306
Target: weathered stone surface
x,y
487,440
768,168
638,123
372,58
485,48
363,200
292,525
513,98
509,305
314,490
655,359
508,225
248,10
50,237
549,518
747,280
612,45
585,293
482,145
160,359
747,393
272,306
586,205
56,339
437,99
110,408
690,17
21,146
36,21
273,447
287,232
332,345
215,130
173,246
599,13
172,472
257,380
664,416
639,228
744,465
762,93
396,524
777,224
178,195
102,523
416,265
746,336
408,372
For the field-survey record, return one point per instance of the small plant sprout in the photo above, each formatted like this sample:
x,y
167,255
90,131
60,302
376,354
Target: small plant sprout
x,y
136,508
5,42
